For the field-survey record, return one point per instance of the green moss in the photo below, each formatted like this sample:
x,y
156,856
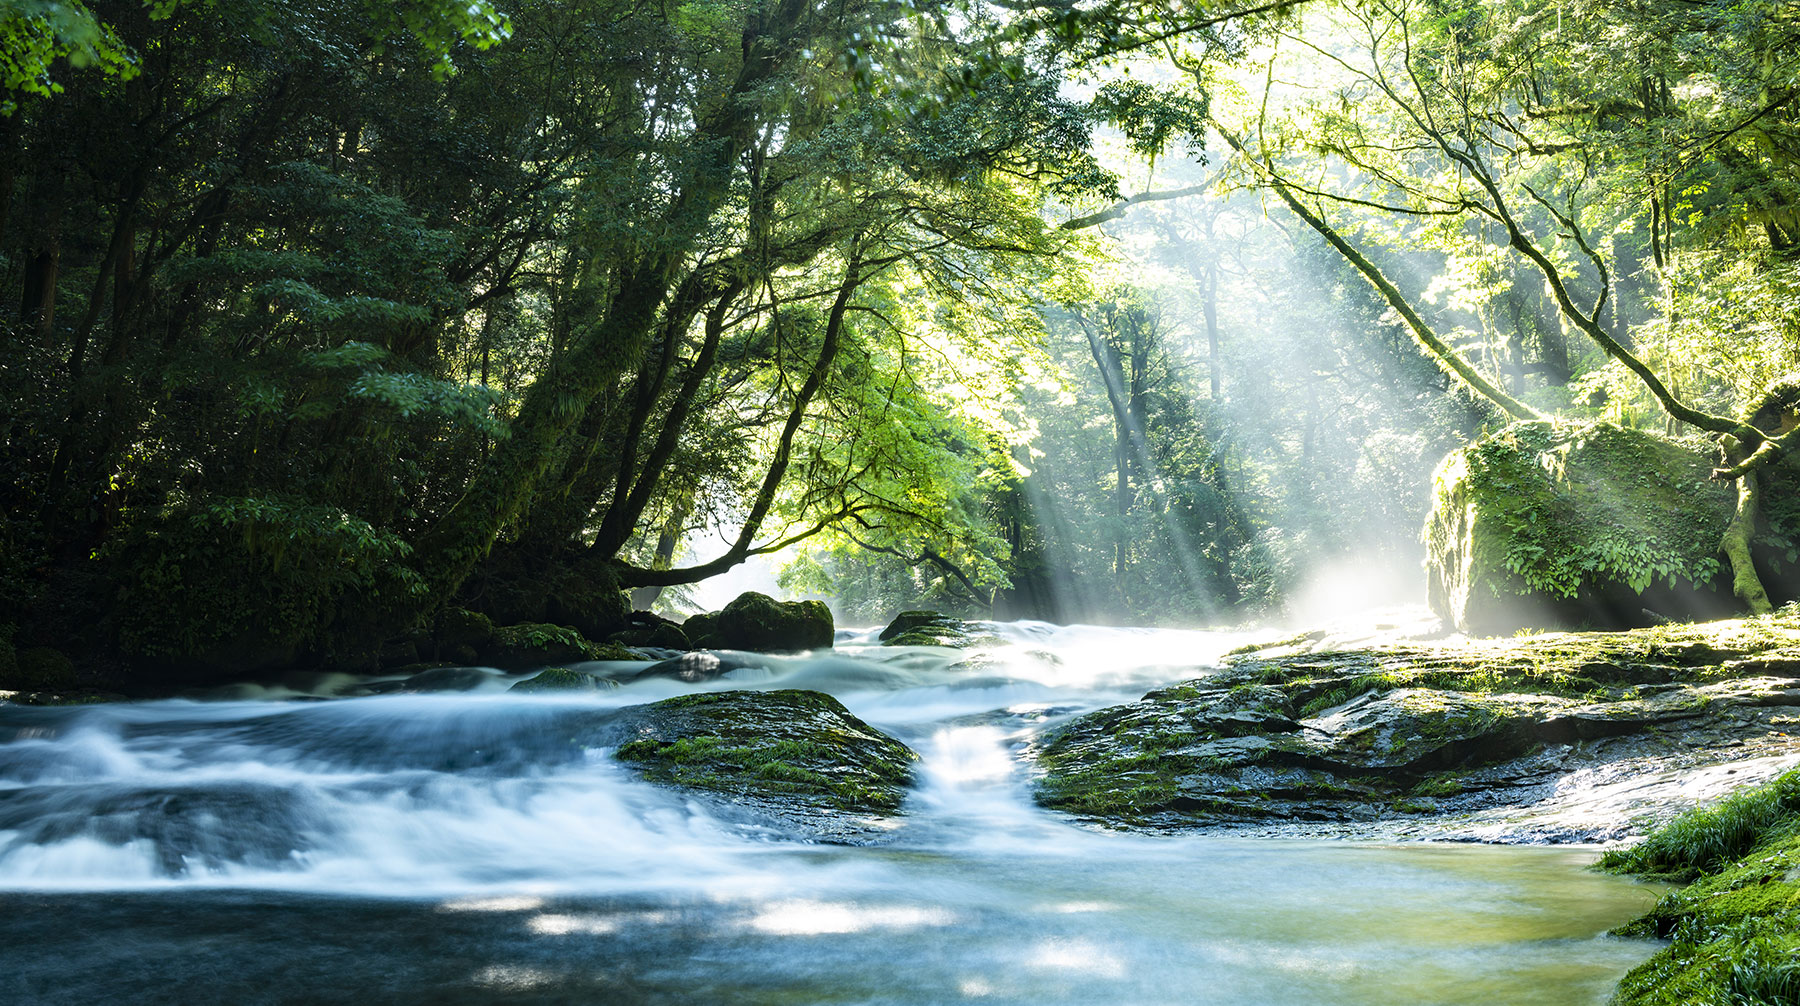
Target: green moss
x,y
1560,511
786,743
1706,839
1735,932
557,679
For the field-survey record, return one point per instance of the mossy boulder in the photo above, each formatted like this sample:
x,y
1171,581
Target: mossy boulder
x,y
934,628
759,622
786,747
561,679
1576,526
588,599
462,635
648,629
536,644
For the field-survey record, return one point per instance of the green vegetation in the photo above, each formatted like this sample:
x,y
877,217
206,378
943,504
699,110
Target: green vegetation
x,y
1735,930
323,321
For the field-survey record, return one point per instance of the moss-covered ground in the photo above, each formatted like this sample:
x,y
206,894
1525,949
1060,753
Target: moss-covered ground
x,y
1734,931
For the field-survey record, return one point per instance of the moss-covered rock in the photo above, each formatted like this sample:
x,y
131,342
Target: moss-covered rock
x,y
561,679
699,628
1454,727
790,747
647,629
1576,525
536,644
934,628
759,622
461,635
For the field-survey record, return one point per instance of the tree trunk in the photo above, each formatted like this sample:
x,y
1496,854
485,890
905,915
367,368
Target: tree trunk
x,y
1738,534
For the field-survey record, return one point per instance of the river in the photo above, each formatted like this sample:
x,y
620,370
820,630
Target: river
x,y
271,845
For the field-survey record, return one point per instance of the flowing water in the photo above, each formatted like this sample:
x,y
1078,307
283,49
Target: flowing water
x,y
458,848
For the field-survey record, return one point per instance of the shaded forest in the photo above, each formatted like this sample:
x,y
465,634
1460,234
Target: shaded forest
x,y
324,320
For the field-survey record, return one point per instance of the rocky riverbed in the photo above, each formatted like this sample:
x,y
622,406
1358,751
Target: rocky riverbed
x,y
1556,737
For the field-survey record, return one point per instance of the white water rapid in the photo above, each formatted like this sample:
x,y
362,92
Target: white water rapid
x,y
483,846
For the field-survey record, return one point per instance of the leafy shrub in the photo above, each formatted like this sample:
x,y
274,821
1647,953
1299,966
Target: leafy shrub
x,y
213,577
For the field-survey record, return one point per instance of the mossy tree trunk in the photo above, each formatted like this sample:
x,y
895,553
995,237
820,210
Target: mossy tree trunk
x,y
1738,535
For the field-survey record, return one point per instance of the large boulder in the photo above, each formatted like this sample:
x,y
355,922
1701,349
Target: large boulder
x,y
789,748
1576,526
761,623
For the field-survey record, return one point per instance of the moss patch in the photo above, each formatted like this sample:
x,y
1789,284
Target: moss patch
x,y
1735,931
791,744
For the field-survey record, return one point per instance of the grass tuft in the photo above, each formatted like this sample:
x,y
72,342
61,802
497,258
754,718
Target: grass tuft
x,y
1706,839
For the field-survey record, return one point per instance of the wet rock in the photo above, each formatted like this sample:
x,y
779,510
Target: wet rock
x,y
758,622
647,629
448,679
1425,732
561,679
699,666
787,748
933,628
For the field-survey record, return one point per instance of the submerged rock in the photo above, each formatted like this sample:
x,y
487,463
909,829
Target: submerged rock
x,y
759,622
448,679
788,748
1485,734
1576,526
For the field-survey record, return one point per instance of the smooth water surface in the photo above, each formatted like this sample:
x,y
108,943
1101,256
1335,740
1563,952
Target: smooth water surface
x,y
483,846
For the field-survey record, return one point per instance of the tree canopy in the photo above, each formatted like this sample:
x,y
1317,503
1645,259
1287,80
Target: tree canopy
x,y
328,318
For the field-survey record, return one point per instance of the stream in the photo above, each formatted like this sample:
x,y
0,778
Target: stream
x,y
273,845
